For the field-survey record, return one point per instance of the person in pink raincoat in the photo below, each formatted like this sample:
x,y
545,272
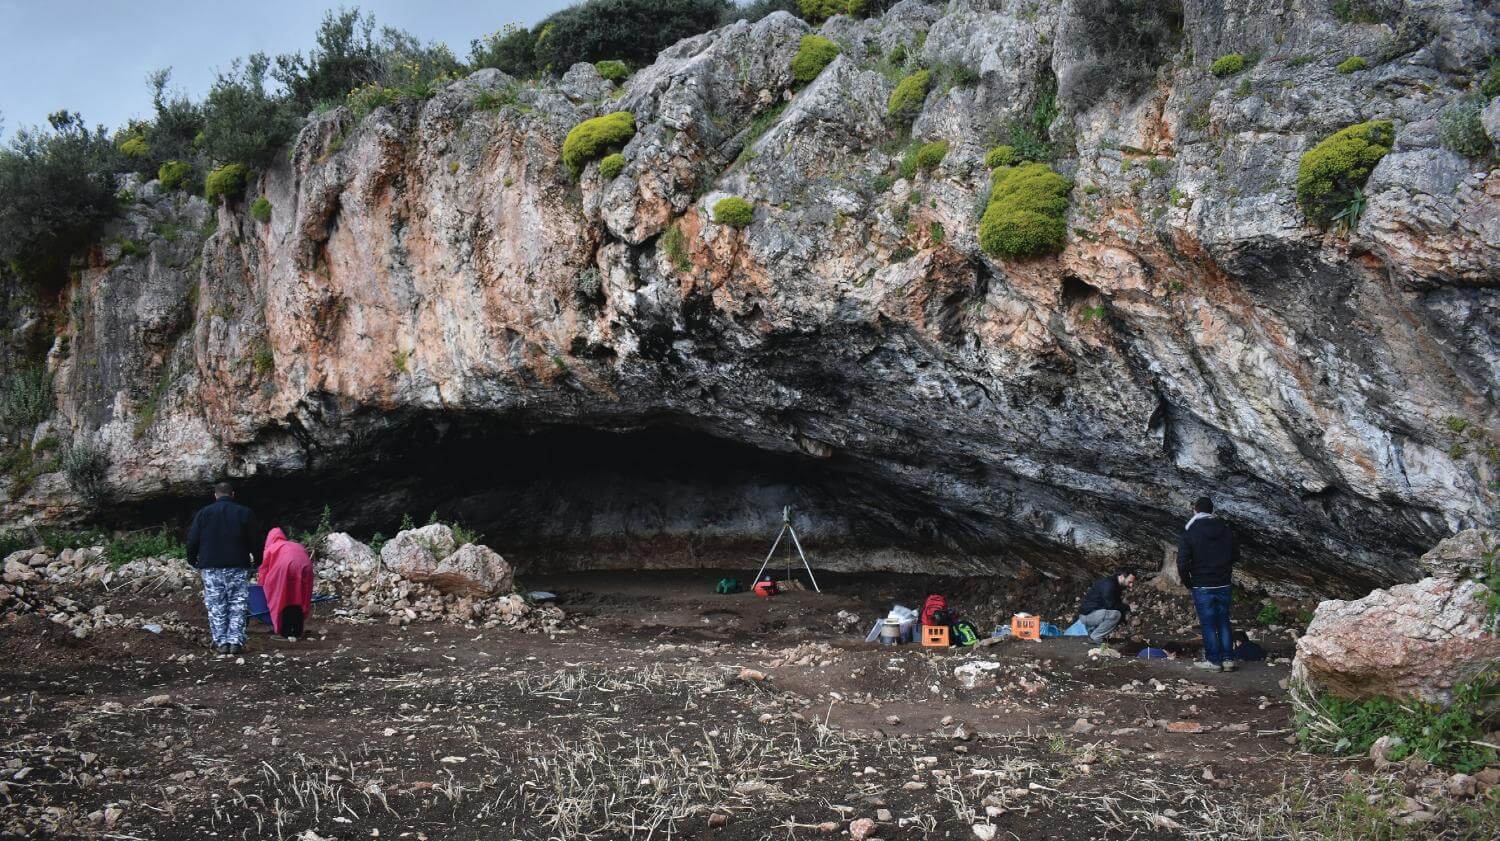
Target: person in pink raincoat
x,y
286,574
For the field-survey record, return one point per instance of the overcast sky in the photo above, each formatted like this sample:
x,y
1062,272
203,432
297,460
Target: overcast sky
x,y
92,56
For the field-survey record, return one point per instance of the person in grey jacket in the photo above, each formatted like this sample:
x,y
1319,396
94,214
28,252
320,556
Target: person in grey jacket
x,y
1206,554
224,544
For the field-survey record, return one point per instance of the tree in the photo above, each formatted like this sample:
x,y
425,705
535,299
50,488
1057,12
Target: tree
x,y
58,188
346,56
512,50
243,123
630,30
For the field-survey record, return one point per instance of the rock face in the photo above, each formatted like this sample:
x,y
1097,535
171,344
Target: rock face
x,y
1464,555
1411,641
438,316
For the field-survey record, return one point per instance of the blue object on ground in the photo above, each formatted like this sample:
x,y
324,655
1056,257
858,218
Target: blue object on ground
x,y
1050,630
1076,629
1152,654
261,612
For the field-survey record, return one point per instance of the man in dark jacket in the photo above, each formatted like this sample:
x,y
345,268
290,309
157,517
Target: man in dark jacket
x,y
1206,554
224,543
1104,604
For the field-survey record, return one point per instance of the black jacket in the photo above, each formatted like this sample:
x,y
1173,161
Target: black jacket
x,y
1206,554
1106,594
224,535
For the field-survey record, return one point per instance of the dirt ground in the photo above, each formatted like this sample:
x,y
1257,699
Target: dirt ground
x,y
661,710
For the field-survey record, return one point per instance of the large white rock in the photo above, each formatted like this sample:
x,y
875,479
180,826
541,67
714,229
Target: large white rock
x,y
415,553
473,570
342,556
1411,641
1460,556
18,571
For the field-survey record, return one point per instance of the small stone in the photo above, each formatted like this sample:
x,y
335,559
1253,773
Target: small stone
x,y
1185,727
861,829
718,820
828,827
1461,785
883,815
914,786
752,675
893,720
1082,725
159,700
984,831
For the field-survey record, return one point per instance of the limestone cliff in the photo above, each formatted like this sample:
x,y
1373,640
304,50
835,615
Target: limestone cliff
x,y
438,315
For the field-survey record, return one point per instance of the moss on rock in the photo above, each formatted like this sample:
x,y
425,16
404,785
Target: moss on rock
x,y
814,52
610,165
228,181
1027,212
1329,172
733,211
591,139
1000,156
615,71
1227,65
906,100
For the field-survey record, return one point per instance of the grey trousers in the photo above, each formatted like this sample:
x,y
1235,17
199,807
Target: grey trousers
x,y
1100,623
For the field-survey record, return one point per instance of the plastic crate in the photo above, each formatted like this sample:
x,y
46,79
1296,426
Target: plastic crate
x,y
935,636
1026,627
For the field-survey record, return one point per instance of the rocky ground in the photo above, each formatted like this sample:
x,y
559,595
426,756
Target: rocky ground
x,y
656,708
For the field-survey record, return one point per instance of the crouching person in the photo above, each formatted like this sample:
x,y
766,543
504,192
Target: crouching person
x,y
286,574
1104,605
224,545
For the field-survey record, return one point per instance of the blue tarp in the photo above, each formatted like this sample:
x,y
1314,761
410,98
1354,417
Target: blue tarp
x,y
1076,630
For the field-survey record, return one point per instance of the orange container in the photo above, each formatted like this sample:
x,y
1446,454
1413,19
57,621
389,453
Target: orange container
x,y
935,636
1026,627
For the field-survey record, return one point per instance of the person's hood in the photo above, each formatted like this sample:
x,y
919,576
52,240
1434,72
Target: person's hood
x,y
274,537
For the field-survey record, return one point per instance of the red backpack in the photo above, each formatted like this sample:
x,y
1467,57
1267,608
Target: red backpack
x,y
931,609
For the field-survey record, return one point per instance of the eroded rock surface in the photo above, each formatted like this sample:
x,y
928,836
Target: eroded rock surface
x,y
438,316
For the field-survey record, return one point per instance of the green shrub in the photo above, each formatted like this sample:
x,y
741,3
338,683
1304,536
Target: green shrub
x,y
1027,212
906,100
512,50
613,70
593,138
733,211
242,120
674,243
172,174
134,546
924,156
228,181
1460,128
366,98
1330,171
135,146
59,188
1489,84
25,398
1352,64
627,30
897,55
260,210
1447,737
1000,156
611,165
817,11
1227,65
86,467
814,52
1359,11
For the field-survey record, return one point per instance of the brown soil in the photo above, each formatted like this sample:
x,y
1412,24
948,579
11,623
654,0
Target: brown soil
x,y
636,721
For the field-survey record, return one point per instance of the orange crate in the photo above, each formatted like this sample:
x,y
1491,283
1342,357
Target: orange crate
x,y
935,635
1026,627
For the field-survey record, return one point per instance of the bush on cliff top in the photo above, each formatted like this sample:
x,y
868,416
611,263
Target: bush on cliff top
x,y
906,100
591,139
1227,65
615,71
172,174
814,52
818,11
1330,172
626,30
228,181
733,211
1027,212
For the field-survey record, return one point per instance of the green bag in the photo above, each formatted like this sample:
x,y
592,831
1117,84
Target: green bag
x,y
963,633
727,586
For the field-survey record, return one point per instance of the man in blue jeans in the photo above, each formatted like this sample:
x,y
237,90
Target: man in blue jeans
x,y
1206,554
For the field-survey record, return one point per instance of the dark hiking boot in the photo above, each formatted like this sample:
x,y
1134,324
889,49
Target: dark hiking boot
x,y
233,650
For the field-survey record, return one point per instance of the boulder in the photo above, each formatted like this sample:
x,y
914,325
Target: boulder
x,y
1411,641
472,570
415,553
342,556
18,571
1460,556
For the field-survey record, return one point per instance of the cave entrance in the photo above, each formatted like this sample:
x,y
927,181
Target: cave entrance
x,y
572,498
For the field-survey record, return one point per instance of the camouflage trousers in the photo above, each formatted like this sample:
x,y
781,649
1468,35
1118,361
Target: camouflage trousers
x,y
226,593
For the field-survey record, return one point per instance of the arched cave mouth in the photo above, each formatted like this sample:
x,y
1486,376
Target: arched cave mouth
x,y
575,498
